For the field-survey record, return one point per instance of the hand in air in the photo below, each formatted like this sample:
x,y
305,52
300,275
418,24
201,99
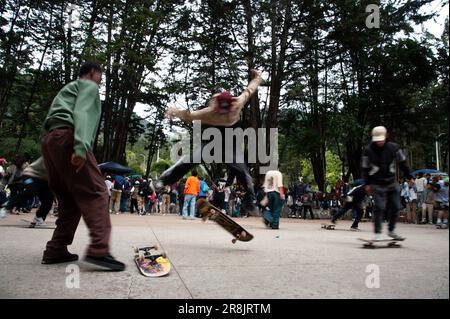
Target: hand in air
x,y
172,112
255,73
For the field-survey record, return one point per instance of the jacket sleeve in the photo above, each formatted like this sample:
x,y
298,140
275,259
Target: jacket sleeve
x,y
365,166
85,117
401,160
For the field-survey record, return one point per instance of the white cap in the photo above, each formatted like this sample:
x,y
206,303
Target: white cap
x,y
379,134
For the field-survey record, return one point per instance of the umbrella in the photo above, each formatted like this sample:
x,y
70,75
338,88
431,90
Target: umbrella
x,y
112,167
428,171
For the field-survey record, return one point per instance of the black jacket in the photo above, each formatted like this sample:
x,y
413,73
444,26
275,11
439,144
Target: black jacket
x,y
379,164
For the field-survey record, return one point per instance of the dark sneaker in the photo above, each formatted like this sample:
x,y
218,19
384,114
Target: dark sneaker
x,y
61,259
106,261
266,222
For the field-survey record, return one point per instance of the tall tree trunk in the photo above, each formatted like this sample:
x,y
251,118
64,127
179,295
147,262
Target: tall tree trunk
x,y
34,86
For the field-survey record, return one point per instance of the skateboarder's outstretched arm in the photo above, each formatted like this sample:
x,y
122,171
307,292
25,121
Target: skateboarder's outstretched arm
x,y
210,116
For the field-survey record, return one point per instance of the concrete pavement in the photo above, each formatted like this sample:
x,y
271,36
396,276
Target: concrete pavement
x,y
300,260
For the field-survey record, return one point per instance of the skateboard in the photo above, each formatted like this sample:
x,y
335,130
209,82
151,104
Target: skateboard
x,y
329,226
32,224
151,262
391,243
441,226
208,211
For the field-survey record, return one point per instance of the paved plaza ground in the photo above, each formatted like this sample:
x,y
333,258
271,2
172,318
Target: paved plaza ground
x,y
300,260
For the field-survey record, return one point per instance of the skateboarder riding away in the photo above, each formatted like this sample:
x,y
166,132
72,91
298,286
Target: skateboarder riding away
x,y
378,167
73,175
223,111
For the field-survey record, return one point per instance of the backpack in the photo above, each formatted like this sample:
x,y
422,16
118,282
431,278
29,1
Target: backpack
x,y
205,188
119,182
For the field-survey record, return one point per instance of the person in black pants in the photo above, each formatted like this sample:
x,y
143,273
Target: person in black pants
x,y
379,164
222,112
36,184
353,200
307,205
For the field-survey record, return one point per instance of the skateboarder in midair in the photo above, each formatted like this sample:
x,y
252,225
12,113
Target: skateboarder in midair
x,y
378,167
223,111
69,132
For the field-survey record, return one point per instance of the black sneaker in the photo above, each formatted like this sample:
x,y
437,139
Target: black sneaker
x,y
61,259
106,261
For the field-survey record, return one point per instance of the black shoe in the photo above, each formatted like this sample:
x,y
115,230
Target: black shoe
x,y
266,222
61,259
106,261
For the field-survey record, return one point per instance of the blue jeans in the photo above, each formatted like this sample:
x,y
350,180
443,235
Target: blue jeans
x,y
189,200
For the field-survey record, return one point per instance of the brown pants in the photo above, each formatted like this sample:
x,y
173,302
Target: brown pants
x,y
165,203
411,212
79,194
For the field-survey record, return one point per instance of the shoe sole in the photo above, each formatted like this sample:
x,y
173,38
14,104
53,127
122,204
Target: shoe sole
x,y
105,264
52,262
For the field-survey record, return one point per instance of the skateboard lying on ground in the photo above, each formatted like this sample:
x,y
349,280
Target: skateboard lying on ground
x,y
208,211
32,224
441,226
329,226
151,262
391,243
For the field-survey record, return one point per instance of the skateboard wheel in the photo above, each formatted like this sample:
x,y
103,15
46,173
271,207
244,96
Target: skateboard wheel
x,y
234,240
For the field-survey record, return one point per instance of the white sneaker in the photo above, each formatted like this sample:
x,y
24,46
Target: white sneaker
x,y
393,235
377,237
3,213
38,221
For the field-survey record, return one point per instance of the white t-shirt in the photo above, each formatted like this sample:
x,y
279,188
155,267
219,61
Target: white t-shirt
x,y
421,184
109,185
227,193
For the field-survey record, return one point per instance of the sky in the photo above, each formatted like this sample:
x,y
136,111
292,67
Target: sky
x,y
434,26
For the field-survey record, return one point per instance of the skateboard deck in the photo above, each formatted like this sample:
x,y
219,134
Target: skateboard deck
x,y
208,211
151,262
31,224
441,226
391,243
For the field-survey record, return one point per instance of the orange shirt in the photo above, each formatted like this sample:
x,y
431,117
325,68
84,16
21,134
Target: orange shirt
x,y
192,186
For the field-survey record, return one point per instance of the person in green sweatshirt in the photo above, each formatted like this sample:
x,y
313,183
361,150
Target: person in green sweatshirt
x,y
73,175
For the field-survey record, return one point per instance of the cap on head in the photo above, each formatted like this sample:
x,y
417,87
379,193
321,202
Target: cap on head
x,y
224,100
379,134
